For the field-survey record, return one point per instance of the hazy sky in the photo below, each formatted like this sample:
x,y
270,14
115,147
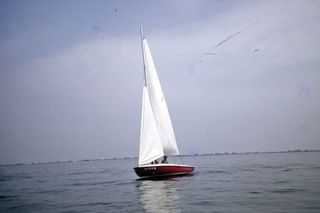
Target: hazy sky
x,y
71,76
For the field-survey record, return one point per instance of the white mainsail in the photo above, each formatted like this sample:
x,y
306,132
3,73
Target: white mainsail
x,y
157,135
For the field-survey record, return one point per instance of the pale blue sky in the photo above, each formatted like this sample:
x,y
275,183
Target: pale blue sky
x,y
71,76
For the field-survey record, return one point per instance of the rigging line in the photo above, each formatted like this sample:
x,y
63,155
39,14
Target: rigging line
x,y
235,34
99,59
191,66
84,48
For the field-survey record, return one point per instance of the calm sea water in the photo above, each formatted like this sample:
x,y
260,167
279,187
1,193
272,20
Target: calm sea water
x,y
280,182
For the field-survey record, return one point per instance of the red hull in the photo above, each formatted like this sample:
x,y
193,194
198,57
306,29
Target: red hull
x,y
159,170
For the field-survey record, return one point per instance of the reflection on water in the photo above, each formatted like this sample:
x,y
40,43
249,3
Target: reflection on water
x,y
159,196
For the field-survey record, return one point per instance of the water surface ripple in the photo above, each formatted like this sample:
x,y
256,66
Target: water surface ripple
x,y
275,182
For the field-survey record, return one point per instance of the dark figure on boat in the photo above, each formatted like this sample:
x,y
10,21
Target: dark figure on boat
x,y
164,160
155,162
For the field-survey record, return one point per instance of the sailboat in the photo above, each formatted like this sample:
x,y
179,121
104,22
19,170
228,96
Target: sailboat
x,y
157,137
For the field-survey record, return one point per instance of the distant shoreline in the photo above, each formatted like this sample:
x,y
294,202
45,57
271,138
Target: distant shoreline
x,y
197,154
247,153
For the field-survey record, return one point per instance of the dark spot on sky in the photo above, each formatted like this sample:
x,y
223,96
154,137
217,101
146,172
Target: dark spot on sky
x,y
303,90
96,29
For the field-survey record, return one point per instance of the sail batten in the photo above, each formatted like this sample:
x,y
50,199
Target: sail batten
x,y
157,136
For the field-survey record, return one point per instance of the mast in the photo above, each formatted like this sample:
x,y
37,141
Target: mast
x,y
143,56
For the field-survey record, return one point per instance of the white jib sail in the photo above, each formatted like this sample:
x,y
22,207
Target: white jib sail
x,y
150,145
158,106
